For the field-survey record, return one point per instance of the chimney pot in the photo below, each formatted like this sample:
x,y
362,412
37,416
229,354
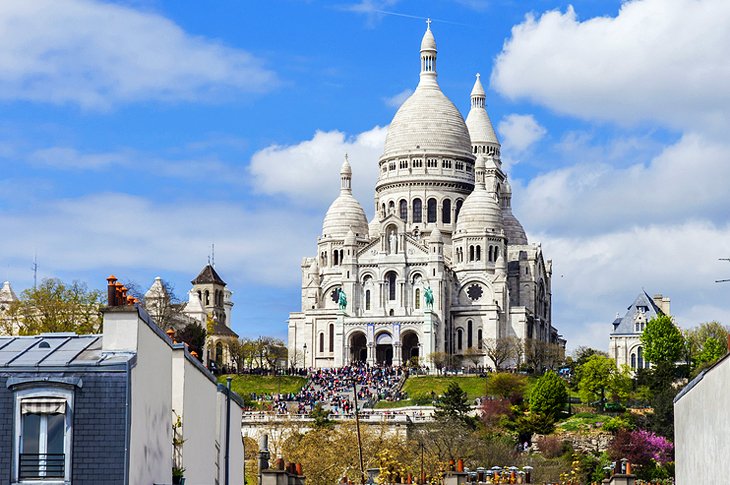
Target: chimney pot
x,y
299,469
460,466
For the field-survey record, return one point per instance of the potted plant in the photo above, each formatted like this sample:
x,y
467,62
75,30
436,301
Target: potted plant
x,y
178,475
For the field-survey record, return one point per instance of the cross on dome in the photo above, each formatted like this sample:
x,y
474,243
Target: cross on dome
x,y
428,23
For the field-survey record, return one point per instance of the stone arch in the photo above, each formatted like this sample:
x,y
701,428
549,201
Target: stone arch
x,y
384,347
358,343
410,345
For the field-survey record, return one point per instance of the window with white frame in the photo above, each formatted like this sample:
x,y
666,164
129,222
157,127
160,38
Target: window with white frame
x,y
43,435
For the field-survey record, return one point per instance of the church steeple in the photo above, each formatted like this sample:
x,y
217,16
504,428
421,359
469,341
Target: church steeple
x,y
428,56
483,137
478,96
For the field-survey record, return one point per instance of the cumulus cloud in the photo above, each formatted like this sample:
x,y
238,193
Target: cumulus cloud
x,y
309,171
85,233
596,276
663,61
97,55
686,180
398,99
520,132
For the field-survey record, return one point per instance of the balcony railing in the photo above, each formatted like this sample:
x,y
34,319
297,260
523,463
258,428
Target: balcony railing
x,y
35,465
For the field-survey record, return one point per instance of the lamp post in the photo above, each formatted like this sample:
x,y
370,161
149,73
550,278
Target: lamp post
x,y
305,355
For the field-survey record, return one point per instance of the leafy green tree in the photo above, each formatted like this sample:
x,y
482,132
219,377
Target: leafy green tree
x,y
599,378
507,386
453,404
548,395
55,306
662,340
705,343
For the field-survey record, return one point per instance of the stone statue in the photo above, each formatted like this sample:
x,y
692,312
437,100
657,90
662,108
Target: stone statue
x,y
428,295
393,242
342,300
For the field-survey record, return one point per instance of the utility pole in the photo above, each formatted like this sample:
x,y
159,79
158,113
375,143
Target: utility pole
x,y
357,426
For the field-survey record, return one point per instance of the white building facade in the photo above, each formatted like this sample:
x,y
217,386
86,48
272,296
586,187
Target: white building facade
x,y
443,225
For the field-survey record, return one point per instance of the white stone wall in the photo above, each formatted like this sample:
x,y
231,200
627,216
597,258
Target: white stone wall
x,y
702,430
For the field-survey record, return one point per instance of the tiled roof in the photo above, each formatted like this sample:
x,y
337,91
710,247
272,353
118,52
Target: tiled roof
x,y
220,329
207,276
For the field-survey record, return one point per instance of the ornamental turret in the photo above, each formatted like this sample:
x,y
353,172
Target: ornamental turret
x,y
483,137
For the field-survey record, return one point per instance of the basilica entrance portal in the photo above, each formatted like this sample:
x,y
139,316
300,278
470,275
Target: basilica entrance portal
x,y
384,349
358,347
410,345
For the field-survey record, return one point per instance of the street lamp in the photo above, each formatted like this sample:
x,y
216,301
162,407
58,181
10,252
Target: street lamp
x,y
305,355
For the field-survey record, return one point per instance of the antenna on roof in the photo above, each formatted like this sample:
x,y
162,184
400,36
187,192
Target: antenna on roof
x,y
35,270
725,280
212,255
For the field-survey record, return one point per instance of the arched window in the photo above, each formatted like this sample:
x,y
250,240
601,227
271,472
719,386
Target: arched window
x,y
633,361
479,339
446,211
418,299
471,253
207,298
200,295
332,337
490,254
391,285
367,299
641,358
468,335
458,209
459,339
391,207
496,252
431,210
321,342
219,353
403,209
417,210
384,213
336,258
479,252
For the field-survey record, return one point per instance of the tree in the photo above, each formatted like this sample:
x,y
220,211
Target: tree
x,y
271,352
160,302
473,355
705,343
439,360
500,350
453,403
549,395
542,355
663,341
507,386
599,376
193,334
55,306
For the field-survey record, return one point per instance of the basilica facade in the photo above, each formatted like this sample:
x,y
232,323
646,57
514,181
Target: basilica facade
x,y
444,266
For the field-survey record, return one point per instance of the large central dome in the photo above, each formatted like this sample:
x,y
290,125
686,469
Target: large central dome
x,y
428,122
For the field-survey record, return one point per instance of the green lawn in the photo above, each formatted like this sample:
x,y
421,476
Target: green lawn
x,y
420,386
243,385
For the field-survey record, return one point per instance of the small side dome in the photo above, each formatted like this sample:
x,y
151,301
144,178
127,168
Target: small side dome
x,y
436,236
345,214
512,228
481,210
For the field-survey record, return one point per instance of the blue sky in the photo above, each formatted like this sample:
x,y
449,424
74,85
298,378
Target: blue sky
x,y
133,135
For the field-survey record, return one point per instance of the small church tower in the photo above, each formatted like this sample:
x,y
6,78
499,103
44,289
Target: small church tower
x,y
211,291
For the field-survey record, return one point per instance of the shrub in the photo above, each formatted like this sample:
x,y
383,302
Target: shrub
x,y
493,410
550,446
616,424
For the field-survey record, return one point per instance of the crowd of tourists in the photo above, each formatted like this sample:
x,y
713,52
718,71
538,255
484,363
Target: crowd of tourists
x,y
333,388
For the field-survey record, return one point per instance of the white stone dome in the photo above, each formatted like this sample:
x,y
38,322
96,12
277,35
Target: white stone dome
x,y
512,228
345,214
428,122
477,121
480,211
374,228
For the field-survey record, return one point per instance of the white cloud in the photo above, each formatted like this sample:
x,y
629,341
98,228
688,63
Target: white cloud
x,y
686,181
596,276
398,99
97,55
105,231
520,132
659,60
309,172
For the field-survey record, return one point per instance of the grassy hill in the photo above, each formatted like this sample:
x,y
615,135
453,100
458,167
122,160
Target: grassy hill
x,y
244,385
419,389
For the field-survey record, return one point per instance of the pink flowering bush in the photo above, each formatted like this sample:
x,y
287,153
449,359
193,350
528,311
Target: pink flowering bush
x,y
642,448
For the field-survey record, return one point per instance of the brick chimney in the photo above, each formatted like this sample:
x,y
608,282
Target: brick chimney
x,y
662,302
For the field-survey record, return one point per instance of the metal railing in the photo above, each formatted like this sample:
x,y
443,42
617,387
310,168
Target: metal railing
x,y
48,465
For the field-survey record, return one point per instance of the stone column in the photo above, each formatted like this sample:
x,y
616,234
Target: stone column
x,y
397,349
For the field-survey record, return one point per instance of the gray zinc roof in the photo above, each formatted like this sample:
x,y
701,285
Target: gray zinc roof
x,y
625,325
56,350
